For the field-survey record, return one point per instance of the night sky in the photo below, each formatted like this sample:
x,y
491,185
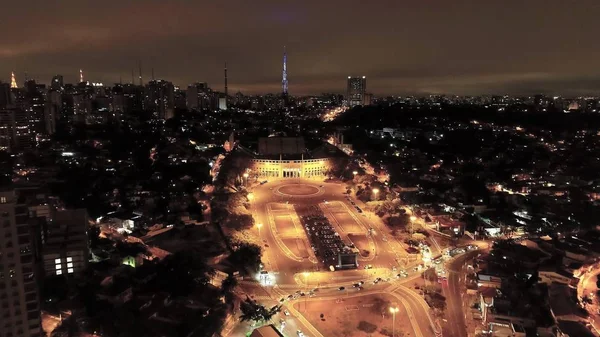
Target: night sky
x,y
403,47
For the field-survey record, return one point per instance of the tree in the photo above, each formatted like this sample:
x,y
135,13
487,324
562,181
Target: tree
x,y
252,311
436,300
430,275
228,284
400,220
179,273
366,327
246,255
239,222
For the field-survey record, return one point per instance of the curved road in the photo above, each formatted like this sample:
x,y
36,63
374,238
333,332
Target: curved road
x,y
289,269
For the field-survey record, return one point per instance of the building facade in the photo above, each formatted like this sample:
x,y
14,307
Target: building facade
x,y
287,168
356,91
65,243
19,303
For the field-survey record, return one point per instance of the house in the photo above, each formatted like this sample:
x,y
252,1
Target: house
x,y
549,275
489,281
123,221
115,290
266,331
486,299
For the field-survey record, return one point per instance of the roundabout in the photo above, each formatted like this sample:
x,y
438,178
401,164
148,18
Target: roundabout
x,y
298,190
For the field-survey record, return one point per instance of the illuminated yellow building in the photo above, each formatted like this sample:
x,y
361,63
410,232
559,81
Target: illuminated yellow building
x,y
288,168
287,157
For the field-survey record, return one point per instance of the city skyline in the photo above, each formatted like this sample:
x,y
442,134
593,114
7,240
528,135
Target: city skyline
x,y
406,49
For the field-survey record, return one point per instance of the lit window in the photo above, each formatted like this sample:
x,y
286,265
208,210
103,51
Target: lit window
x,y
59,272
69,259
70,265
58,267
70,270
57,261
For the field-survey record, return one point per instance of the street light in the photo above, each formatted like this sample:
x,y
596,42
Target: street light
x,y
250,196
375,192
355,173
259,225
306,275
246,177
394,310
412,222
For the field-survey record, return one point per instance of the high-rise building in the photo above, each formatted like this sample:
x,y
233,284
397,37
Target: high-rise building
x,y
82,106
134,98
223,100
19,303
15,130
65,243
118,99
159,98
6,97
197,96
51,114
57,83
357,87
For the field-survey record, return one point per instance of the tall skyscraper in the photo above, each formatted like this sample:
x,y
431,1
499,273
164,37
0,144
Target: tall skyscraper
x,y
159,98
13,81
357,86
6,96
20,309
80,76
223,100
57,82
16,130
284,81
197,97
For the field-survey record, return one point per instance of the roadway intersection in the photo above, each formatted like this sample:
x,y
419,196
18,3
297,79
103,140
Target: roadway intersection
x,y
293,267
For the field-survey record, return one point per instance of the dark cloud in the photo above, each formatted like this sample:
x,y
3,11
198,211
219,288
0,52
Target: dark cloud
x,y
435,46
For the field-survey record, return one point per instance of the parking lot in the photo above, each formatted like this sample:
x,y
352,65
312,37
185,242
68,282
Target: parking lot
x,y
325,241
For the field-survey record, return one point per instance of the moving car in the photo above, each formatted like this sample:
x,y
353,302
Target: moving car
x,y
300,333
285,312
341,288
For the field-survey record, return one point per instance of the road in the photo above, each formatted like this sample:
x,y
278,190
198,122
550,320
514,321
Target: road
x,y
454,290
287,255
587,287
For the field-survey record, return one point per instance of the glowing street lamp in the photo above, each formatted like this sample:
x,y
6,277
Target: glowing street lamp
x,y
375,192
250,196
259,226
355,173
394,310
412,222
246,177
306,275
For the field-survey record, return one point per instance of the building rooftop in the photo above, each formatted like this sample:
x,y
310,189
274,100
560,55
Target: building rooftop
x,y
281,145
266,331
